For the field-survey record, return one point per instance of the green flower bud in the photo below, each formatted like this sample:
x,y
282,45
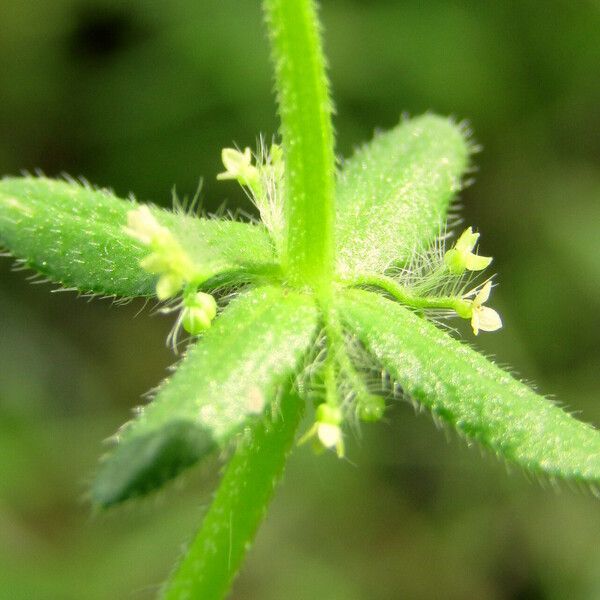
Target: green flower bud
x,y
202,301
370,408
199,311
195,320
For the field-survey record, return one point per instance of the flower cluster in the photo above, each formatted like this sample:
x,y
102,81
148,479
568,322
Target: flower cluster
x,y
438,281
459,259
167,259
175,270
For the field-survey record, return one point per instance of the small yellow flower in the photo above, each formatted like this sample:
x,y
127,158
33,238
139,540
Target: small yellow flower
x,y
238,165
143,226
326,429
484,318
462,257
166,257
369,407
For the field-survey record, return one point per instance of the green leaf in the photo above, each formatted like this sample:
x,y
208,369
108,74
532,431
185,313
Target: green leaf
x,y
238,507
234,372
305,110
73,235
464,389
393,195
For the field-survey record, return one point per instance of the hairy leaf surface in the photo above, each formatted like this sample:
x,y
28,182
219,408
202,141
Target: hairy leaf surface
x,y
393,195
73,235
464,389
234,372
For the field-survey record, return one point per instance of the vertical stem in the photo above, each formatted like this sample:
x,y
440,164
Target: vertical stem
x,y
305,109
214,556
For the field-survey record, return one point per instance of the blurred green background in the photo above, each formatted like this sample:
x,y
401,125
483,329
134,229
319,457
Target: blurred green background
x,y
141,96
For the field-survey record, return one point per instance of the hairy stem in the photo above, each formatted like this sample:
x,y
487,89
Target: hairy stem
x,y
305,110
403,294
239,505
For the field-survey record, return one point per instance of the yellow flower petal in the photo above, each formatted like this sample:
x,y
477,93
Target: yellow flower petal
x,y
329,435
474,262
467,240
489,319
483,295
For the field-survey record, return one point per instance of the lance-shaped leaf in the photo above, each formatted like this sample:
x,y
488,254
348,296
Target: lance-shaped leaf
x,y
464,389
74,235
232,374
393,195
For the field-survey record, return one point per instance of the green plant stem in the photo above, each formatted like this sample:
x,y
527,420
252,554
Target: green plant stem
x,y
305,110
402,294
335,348
239,505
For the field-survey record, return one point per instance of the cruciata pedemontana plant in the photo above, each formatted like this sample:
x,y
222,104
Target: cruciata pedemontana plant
x,y
344,273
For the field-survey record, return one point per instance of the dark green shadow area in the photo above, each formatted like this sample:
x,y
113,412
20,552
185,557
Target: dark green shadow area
x,y
147,462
